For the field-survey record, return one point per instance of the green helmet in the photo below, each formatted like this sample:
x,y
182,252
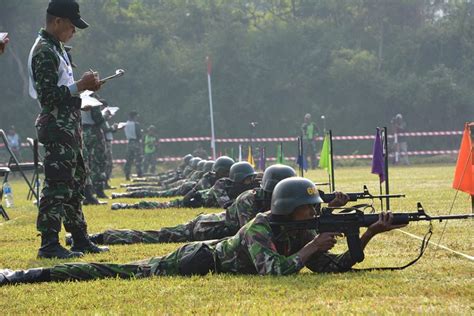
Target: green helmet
x,y
187,158
223,164
241,170
201,164
209,165
194,162
275,174
291,193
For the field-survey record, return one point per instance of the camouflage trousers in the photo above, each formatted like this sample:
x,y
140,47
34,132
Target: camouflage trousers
x,y
190,259
62,193
149,160
95,154
147,205
151,192
134,154
109,165
203,227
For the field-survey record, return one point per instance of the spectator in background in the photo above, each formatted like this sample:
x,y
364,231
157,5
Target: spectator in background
x,y
400,142
151,143
133,133
310,131
200,152
14,141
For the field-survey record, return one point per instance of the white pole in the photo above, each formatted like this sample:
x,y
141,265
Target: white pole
x,y
213,137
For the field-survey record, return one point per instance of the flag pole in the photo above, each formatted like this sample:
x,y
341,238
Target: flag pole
x,y
385,151
300,154
471,125
333,183
213,137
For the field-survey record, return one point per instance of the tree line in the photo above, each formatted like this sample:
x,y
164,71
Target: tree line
x,y
357,62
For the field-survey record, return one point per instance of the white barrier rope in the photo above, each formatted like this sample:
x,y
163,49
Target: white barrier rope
x,y
471,258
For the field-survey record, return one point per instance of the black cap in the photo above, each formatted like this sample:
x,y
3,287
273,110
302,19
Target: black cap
x,y
67,9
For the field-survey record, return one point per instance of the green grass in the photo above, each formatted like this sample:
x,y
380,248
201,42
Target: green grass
x,y
440,283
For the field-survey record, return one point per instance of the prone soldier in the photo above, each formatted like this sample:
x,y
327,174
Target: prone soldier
x,y
257,248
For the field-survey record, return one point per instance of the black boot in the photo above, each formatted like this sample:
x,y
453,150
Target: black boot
x,y
107,186
95,238
90,198
50,248
24,276
99,190
82,242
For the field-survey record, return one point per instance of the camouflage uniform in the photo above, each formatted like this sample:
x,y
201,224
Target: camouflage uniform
x,y
94,148
134,151
109,165
59,130
217,196
255,249
204,227
179,190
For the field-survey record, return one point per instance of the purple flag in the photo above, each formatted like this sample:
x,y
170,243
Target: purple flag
x,y
261,162
377,158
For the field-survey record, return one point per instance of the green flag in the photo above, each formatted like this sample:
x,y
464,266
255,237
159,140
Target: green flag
x,y
325,159
280,158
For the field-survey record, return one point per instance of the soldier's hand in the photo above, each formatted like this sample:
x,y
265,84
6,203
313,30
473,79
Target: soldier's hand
x,y
341,199
89,81
384,224
325,241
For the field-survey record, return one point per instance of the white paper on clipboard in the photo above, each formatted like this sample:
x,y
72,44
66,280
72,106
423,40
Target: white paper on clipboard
x,y
3,36
121,125
111,109
88,100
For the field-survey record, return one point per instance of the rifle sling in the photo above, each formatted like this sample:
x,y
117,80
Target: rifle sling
x,y
423,247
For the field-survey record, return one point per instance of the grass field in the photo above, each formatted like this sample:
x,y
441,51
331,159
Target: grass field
x,y
440,283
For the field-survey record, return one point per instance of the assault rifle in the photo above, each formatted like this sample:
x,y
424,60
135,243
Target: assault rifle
x,y
365,194
349,221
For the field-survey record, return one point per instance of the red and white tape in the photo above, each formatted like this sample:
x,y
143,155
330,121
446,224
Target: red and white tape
x,y
282,139
293,139
336,157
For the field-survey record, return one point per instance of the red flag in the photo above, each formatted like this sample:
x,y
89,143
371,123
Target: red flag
x,y
463,176
209,65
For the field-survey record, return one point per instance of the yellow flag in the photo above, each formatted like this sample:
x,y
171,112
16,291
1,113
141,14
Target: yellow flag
x,y
250,157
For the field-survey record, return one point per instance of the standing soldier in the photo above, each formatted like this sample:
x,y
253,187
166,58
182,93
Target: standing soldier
x,y
109,131
309,131
94,148
150,143
133,134
59,129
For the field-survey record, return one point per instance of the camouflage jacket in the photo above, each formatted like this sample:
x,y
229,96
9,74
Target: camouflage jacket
x,y
60,117
217,196
206,182
196,176
245,208
187,171
256,249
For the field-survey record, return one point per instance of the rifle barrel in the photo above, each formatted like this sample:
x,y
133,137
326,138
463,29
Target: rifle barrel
x,y
354,196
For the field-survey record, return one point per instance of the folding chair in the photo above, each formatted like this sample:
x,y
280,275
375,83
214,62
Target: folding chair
x,y
33,144
3,173
15,166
